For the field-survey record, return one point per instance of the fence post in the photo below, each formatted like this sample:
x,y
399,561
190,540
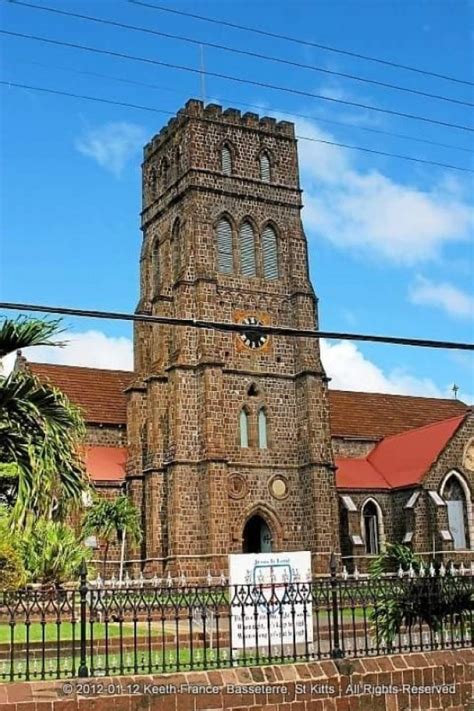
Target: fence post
x,y
83,670
336,651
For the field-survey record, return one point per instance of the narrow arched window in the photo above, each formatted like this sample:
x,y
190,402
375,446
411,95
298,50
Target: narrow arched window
x,y
226,160
177,160
247,250
155,267
152,182
457,512
165,170
244,428
225,261
262,429
270,253
176,247
264,167
370,516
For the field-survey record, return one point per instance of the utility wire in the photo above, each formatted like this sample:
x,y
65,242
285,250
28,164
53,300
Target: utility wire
x,y
306,43
237,327
274,110
235,50
210,120
239,80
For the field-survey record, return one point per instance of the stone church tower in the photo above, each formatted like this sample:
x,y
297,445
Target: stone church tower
x,y
229,436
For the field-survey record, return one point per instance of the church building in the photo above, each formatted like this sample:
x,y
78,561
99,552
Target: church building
x,y
231,442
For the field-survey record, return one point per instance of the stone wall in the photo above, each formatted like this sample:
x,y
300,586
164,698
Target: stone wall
x,y
432,680
186,464
106,435
351,447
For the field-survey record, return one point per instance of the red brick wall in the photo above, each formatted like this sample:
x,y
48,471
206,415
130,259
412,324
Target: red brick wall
x,y
315,686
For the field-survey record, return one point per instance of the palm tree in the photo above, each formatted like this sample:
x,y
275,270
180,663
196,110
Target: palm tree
x,y
112,518
40,432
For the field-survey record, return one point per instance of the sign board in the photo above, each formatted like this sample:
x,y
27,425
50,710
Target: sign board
x,y
91,542
262,587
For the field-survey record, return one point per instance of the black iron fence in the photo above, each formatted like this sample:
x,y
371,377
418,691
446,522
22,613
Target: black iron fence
x,y
153,626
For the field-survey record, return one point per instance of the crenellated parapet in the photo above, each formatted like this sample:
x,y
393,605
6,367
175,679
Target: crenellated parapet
x,y
195,109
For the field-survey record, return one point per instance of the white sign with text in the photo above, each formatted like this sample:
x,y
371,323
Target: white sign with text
x,y
268,607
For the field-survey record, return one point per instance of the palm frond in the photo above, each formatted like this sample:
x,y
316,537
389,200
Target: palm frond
x,y
24,332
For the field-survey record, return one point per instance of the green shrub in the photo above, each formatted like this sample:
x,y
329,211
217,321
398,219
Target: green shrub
x,y
12,570
431,600
393,556
51,553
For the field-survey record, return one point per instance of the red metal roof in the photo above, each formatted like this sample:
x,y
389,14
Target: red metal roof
x,y
358,474
106,463
398,461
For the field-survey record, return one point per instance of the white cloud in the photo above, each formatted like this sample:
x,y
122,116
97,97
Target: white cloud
x,y
92,349
442,295
371,213
349,369
112,145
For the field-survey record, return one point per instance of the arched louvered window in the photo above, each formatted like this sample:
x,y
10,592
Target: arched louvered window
x,y
176,247
225,262
264,167
262,429
270,253
244,428
247,250
226,160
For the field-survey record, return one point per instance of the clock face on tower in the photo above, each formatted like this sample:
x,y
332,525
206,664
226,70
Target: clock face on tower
x,y
253,339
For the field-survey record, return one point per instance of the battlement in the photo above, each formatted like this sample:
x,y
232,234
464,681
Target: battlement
x,y
195,108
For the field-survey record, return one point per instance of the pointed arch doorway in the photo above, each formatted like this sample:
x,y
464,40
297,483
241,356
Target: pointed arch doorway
x,y
257,537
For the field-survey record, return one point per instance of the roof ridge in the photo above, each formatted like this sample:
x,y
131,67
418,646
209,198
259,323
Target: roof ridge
x,y
417,429
80,367
397,395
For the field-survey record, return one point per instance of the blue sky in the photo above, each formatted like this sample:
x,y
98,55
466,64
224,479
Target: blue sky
x,y
391,242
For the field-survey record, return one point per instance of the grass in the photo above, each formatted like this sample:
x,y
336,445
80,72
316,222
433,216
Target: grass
x,y
67,631
158,661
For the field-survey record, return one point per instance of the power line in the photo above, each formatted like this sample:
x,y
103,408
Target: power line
x,y
210,120
239,80
237,327
274,110
235,50
307,43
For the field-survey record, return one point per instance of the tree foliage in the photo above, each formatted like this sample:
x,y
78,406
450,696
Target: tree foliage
x,y
40,432
111,518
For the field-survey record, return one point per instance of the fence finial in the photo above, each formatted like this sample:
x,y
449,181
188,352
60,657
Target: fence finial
x,y
83,569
